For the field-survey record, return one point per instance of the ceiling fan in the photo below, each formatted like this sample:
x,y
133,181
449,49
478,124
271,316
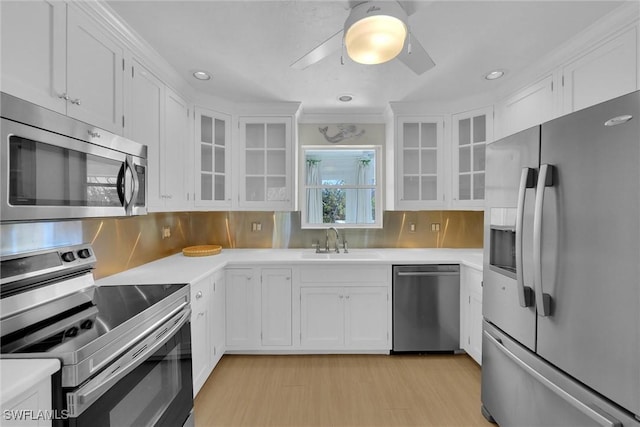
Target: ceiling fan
x,y
374,32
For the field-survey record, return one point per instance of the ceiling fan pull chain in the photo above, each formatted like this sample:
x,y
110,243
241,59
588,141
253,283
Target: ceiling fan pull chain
x,y
342,53
409,43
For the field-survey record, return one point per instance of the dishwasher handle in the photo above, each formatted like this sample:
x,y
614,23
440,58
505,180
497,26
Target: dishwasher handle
x,y
427,273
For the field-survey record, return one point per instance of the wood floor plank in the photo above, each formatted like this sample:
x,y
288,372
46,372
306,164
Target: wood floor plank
x,y
342,390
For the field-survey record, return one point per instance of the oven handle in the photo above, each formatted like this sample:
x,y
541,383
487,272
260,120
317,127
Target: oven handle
x,y
81,399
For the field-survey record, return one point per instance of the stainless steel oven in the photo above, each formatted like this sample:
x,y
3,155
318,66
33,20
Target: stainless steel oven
x,y
55,167
125,351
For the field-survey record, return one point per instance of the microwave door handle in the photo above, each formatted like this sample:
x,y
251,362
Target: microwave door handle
x,y
527,180
543,301
120,184
136,184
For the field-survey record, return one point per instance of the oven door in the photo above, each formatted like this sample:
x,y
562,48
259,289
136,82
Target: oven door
x,y
157,391
51,176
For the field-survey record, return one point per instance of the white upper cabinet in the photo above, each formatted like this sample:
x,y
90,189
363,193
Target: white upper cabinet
x,y
56,56
144,124
266,163
159,118
419,163
34,44
212,159
472,131
175,154
528,107
605,72
95,66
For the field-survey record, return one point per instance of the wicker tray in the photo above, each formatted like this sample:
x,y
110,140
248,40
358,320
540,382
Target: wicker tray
x,y
202,250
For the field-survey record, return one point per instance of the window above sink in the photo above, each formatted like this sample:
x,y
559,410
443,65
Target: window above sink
x,y
341,186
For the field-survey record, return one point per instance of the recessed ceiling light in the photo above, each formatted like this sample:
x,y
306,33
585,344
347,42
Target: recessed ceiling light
x,y
495,74
201,75
345,98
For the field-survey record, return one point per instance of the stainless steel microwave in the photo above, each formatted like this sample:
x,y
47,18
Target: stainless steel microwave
x,y
56,167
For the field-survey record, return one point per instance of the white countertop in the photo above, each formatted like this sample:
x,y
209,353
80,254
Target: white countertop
x,y
181,269
19,375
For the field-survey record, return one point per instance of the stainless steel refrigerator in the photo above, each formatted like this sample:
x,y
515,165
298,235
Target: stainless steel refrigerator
x,y
561,296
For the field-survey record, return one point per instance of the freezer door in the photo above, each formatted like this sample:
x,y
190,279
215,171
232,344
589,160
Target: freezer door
x,y
589,248
507,302
520,389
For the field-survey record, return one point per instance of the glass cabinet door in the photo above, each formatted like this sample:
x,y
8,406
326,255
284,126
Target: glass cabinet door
x,y
212,158
267,165
420,182
471,133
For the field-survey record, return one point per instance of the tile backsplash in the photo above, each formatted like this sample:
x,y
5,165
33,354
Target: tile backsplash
x,y
123,243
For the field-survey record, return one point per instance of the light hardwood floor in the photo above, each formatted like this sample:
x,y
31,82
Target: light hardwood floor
x,y
342,390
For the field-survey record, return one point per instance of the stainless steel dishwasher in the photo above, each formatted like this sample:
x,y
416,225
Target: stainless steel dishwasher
x,y
426,308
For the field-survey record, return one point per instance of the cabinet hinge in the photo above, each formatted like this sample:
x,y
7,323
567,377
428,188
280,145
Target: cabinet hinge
x,y
214,286
551,86
123,120
469,299
563,80
122,64
133,72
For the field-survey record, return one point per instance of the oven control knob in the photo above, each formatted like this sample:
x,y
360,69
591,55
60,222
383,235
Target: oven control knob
x,y
71,332
84,253
68,257
87,324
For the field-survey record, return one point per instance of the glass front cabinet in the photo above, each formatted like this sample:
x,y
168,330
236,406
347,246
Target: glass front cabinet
x,y
212,159
419,154
266,164
472,131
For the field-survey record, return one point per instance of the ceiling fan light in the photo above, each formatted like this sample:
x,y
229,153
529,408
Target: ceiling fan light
x,y
375,32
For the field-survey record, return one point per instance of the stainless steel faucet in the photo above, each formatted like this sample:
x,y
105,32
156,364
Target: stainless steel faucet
x,y
337,249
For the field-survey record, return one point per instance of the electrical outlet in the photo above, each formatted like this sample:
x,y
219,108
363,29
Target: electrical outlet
x,y
166,232
435,226
256,226
412,227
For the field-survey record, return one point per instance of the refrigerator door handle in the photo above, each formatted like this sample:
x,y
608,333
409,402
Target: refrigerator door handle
x,y
527,180
543,301
596,414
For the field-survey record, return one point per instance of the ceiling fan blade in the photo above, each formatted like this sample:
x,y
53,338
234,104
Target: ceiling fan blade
x,y
325,49
418,60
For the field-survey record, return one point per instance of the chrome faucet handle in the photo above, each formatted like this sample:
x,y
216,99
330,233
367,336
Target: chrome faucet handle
x,y
316,244
344,245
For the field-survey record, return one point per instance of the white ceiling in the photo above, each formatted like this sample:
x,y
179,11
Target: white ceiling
x,y
248,47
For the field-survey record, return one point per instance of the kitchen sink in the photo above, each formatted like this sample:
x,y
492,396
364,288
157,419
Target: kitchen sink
x,y
353,254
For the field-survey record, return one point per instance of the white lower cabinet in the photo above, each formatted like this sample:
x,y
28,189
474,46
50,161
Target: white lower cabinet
x,y
218,318
258,307
344,317
471,312
276,307
207,326
200,332
345,308
242,308
322,317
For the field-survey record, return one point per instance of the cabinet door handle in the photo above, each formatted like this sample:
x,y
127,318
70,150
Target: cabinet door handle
x,y
199,295
75,101
64,96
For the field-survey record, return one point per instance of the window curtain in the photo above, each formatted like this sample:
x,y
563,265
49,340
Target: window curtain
x,y
314,195
359,209
364,213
